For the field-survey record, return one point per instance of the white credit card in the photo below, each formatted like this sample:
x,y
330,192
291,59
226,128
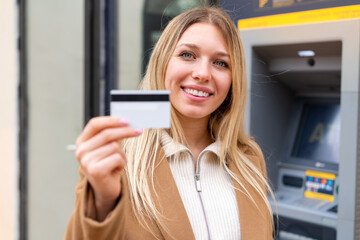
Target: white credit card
x,y
143,109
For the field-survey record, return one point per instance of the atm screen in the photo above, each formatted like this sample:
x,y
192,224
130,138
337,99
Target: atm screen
x,y
318,133
319,185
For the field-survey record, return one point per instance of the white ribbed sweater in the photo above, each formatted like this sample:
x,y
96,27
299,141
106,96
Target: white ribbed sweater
x,y
212,210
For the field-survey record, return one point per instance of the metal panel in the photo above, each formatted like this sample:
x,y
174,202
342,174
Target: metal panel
x,y
348,33
23,133
257,8
100,56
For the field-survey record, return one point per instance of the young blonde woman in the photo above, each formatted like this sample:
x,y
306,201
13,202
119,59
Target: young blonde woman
x,y
202,179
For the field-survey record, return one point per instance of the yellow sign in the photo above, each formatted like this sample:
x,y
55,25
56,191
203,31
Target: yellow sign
x,y
319,15
320,185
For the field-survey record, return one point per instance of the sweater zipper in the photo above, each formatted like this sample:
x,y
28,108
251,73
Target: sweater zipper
x,y
198,189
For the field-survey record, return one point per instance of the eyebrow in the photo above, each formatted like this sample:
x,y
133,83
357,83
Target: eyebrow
x,y
194,46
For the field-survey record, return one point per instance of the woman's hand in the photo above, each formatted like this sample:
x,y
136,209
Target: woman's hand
x,y
102,159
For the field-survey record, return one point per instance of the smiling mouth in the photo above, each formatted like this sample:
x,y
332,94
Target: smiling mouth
x,y
197,93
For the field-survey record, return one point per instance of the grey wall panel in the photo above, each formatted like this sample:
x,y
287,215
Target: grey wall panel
x,y
348,163
55,79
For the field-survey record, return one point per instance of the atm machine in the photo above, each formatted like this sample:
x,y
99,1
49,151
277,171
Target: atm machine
x,y
303,110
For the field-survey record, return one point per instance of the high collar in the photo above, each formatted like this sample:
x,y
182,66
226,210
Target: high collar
x,y
171,147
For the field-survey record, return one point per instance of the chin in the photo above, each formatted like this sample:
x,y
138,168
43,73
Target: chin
x,y
194,114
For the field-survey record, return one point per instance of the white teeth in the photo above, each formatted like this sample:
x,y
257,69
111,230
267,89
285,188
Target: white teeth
x,y
196,92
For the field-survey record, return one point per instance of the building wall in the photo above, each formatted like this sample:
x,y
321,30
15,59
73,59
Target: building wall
x,y
55,62
130,43
56,108
8,121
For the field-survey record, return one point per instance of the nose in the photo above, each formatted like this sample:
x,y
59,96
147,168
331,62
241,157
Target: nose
x,y
202,71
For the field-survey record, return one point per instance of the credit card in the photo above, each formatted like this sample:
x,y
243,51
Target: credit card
x,y
143,109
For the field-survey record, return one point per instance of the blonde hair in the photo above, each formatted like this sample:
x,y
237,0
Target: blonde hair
x,y
226,124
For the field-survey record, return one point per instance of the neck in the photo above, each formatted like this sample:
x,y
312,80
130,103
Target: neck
x,y
196,133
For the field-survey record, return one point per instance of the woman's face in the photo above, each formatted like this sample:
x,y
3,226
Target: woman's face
x,y
198,74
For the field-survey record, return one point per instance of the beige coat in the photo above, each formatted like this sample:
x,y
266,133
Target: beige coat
x,y
122,224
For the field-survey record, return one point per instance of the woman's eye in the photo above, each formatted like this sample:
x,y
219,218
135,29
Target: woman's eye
x,y
186,55
221,63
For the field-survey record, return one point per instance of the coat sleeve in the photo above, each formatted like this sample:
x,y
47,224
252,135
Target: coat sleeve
x,y
82,224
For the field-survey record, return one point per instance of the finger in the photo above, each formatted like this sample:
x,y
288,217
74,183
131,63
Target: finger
x,y
101,153
97,124
107,166
105,177
104,137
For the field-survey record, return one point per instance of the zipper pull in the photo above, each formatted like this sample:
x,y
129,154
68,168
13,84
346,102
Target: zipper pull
x,y
197,182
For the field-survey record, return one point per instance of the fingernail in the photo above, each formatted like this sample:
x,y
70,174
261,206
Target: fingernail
x,y
124,121
138,130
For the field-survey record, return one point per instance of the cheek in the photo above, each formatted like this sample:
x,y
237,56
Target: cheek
x,y
226,85
167,84
168,75
226,93
228,89
167,80
170,83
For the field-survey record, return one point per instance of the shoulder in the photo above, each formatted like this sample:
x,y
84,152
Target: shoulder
x,y
253,152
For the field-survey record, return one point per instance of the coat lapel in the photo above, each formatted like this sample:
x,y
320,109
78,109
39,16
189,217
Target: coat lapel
x,y
169,202
252,221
